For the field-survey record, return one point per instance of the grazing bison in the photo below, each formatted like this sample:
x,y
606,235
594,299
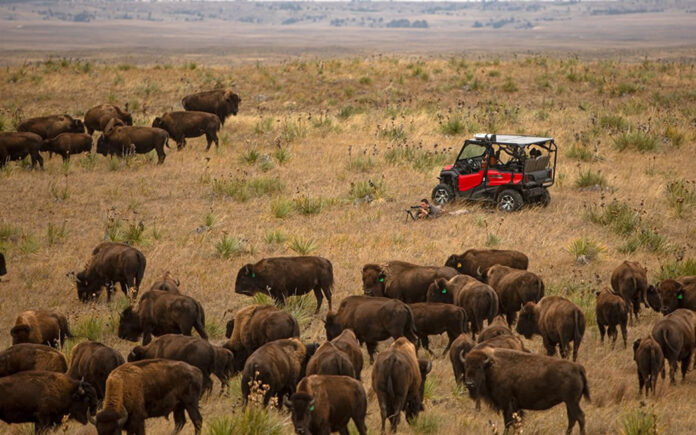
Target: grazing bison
x,y
67,144
121,140
93,362
612,311
160,313
650,362
16,146
97,118
324,404
672,294
510,381
111,263
475,261
479,300
515,288
148,389
45,398
400,280
630,281
222,102
497,327
51,126
676,334
372,319
30,356
348,343
329,360
256,325
40,327
281,277
557,320
276,367
398,378
181,125
167,283
460,346
193,350
434,318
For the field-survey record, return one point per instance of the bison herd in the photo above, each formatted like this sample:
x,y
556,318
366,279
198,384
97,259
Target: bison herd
x,y
475,298
204,114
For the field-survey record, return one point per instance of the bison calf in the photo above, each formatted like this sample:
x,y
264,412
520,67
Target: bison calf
x,y
676,334
93,362
650,361
40,327
30,356
612,311
434,318
67,144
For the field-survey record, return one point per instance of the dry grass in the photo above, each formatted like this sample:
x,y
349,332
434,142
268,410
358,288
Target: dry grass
x,y
326,131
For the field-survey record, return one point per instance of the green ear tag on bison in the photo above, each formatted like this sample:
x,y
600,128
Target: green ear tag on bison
x,y
444,290
253,275
680,296
459,264
311,408
381,279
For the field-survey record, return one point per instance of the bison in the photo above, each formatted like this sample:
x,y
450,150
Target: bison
x,y
497,327
676,334
93,362
348,343
111,263
557,320
167,283
325,403
514,287
45,399
51,126
148,389
612,311
630,281
3,266
222,102
256,325
281,277
475,261
16,146
398,379
433,318
329,360
672,294
67,144
224,366
460,347
97,118
274,369
372,319
400,280
31,356
121,140
181,125
650,362
160,313
40,327
510,381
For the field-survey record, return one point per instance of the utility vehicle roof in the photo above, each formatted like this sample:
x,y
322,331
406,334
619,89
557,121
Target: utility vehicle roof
x,y
507,139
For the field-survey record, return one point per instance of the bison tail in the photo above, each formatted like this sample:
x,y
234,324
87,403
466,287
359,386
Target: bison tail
x,y
668,344
578,336
411,326
585,387
540,289
493,305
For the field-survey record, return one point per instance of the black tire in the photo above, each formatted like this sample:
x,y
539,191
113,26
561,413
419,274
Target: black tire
x,y
442,194
510,200
545,199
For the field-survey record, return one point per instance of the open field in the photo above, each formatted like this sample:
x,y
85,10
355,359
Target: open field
x,y
291,175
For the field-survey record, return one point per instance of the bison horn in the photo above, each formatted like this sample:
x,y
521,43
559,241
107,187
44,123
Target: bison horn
x,y
121,421
478,271
287,402
91,419
429,367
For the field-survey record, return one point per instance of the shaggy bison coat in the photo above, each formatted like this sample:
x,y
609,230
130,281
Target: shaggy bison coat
x,y
111,263
40,327
497,327
400,280
650,362
97,118
611,311
30,356
515,288
222,102
181,125
51,126
475,261
16,146
460,346
93,362
67,144
167,283
672,294
479,300
676,334
434,318
121,140
630,281
329,360
348,343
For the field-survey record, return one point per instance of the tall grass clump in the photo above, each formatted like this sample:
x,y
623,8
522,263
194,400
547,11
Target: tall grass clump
x,y
55,234
584,250
275,237
452,126
229,246
249,156
614,123
675,137
590,179
243,189
417,156
367,189
93,327
675,269
638,140
292,130
580,152
638,422
618,216
307,205
301,308
253,420
303,246
281,208
681,196
393,132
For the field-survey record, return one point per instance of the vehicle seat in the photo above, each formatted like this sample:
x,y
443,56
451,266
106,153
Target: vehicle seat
x,y
538,164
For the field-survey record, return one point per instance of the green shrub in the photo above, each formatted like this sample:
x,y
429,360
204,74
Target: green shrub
x,y
650,240
418,157
588,178
309,205
640,141
92,327
639,422
365,80
510,86
580,152
28,244
264,125
252,420
453,126
613,122
292,130
492,240
56,234
214,328
681,196
275,237
301,308
249,156
367,188
281,208
623,89
393,132
347,111
425,424
584,250
281,155
675,136
618,216
361,163
303,246
675,269
229,246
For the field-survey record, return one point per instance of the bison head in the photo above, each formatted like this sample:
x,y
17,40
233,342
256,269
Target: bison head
x,y
129,325
127,118
77,126
158,123
456,262
653,298
671,295
87,286
438,292
527,324
374,280
21,334
302,407
332,327
250,281
232,101
110,422
137,353
102,147
83,402
477,364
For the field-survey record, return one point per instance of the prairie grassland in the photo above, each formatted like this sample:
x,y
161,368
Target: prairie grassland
x,y
292,174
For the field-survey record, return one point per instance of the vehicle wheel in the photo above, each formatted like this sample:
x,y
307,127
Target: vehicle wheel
x,y
545,199
442,194
510,200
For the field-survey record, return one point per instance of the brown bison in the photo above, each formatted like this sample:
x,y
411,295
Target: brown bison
x,y
222,102
40,327
67,144
497,327
224,366
398,378
281,277
475,261
557,320
193,350
45,399
612,311
348,343
181,125
99,116
372,319
515,288
160,313
121,140
676,334
30,356
479,300
510,381
275,369
650,362
93,362
434,318
16,146
148,389
325,403
111,263
51,126
400,280
630,281
329,360
672,294
167,283
460,346
256,325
